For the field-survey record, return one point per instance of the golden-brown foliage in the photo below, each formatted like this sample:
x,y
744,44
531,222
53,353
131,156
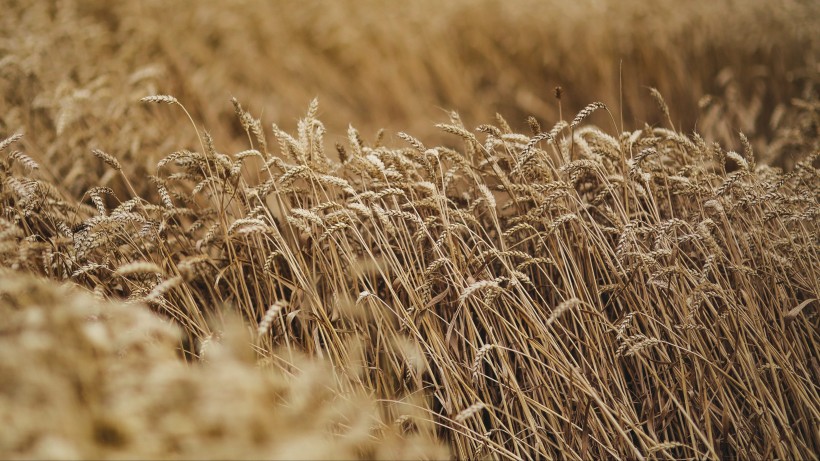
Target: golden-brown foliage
x,y
85,379
70,71
572,293
596,287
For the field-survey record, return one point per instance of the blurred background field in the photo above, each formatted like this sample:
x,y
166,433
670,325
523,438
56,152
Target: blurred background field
x,y
72,72
622,288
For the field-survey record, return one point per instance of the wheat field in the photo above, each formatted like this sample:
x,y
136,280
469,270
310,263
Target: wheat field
x,y
424,230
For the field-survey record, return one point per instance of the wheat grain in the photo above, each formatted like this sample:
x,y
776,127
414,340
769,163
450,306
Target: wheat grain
x,y
477,286
108,159
636,344
10,140
469,412
160,98
561,309
139,267
661,103
156,293
270,315
586,112
24,160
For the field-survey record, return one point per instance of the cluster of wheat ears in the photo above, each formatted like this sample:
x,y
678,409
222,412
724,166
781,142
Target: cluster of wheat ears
x,y
574,292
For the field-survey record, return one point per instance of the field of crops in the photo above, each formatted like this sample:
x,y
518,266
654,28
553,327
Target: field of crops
x,y
409,230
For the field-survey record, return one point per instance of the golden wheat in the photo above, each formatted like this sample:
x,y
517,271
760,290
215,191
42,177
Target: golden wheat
x,y
606,288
